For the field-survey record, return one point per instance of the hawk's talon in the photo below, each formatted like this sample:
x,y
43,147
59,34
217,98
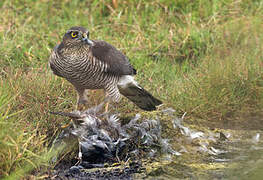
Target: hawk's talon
x,y
81,107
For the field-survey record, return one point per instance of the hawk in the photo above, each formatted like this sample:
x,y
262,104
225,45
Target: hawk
x,y
96,64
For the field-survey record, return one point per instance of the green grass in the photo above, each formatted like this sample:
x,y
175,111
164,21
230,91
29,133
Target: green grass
x,y
201,57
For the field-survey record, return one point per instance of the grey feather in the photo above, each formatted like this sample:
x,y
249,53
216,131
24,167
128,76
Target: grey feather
x,y
139,96
117,62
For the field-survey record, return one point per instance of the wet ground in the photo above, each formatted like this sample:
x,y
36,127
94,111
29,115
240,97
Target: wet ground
x,y
127,171
223,149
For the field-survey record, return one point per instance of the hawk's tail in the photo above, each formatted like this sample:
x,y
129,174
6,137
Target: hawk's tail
x,y
129,88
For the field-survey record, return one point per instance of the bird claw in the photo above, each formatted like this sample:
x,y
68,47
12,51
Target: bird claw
x,y
81,106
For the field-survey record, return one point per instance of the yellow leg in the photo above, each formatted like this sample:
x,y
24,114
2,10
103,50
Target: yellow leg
x,y
81,105
107,102
107,107
82,100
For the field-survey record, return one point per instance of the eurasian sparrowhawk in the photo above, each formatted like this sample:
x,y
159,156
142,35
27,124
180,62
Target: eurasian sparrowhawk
x,y
96,64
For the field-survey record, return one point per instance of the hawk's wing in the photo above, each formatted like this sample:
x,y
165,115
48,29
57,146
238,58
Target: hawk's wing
x,y
117,62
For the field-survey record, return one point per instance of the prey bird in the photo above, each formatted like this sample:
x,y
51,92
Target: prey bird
x,y
96,64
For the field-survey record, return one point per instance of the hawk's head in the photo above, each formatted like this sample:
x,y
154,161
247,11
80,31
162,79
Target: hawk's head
x,y
77,36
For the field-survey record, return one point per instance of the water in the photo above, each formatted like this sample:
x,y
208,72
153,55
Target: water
x,y
232,150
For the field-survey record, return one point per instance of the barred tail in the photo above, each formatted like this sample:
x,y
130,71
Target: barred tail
x,y
129,88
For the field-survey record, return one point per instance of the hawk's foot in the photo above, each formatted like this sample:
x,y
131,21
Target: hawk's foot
x,y
82,105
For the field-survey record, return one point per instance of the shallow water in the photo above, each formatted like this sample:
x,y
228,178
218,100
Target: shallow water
x,y
232,150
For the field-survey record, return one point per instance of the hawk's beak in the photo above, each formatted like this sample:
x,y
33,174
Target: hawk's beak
x,y
86,39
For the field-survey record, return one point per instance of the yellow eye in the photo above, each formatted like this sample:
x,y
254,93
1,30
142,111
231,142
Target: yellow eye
x,y
74,34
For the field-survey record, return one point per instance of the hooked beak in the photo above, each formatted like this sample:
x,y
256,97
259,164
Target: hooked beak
x,y
86,39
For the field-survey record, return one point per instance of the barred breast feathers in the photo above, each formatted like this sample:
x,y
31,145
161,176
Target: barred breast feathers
x,y
84,70
55,67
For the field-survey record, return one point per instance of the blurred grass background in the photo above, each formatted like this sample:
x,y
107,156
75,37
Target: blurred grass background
x,y
203,57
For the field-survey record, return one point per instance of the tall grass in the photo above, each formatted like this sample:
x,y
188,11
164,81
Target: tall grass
x,y
229,78
201,57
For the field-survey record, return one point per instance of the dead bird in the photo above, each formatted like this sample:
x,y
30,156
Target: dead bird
x,y
102,138
98,139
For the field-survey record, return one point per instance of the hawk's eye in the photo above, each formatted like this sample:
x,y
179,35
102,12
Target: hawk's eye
x,y
74,34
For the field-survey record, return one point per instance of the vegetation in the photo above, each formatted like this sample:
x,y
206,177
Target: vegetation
x,y
201,57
